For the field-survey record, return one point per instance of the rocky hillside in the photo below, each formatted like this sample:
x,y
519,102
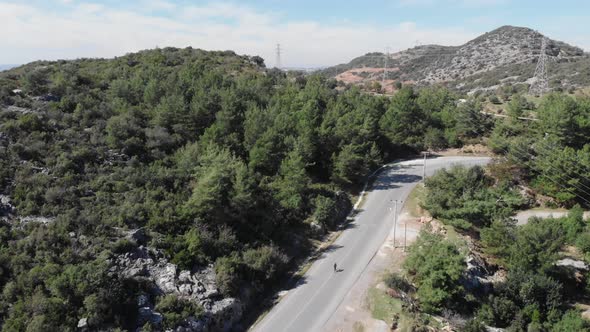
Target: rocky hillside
x,y
505,54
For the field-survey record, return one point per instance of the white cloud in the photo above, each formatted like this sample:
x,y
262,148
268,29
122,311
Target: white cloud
x,y
156,5
92,30
464,3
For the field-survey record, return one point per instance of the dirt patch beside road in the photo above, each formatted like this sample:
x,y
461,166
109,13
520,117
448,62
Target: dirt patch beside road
x,y
357,310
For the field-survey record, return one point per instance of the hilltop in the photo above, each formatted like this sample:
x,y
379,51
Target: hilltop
x,y
507,54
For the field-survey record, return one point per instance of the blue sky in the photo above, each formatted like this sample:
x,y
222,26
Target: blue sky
x,y
312,33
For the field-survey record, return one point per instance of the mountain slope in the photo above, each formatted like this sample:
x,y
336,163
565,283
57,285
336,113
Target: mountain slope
x,y
486,58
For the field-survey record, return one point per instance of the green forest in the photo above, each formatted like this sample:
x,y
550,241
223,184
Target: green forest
x,y
535,293
220,160
540,162
225,163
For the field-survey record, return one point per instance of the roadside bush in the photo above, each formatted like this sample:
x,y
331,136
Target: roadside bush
x,y
395,281
435,265
466,197
325,211
573,224
537,245
265,263
227,276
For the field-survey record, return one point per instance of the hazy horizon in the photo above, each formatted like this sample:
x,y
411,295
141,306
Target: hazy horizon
x,y
311,34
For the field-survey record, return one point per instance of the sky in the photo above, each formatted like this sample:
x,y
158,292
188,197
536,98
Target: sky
x,y
312,33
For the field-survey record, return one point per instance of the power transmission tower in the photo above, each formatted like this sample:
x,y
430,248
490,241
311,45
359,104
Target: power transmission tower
x,y
278,60
540,84
385,67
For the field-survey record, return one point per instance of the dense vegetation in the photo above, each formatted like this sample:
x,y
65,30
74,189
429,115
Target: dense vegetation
x,y
545,162
225,163
221,161
465,198
536,294
552,154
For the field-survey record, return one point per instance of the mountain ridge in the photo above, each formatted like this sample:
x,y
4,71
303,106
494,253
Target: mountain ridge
x,y
507,48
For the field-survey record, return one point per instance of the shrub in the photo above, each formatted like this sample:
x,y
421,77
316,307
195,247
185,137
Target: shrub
x,y
435,265
265,262
496,239
474,325
227,274
573,224
395,281
325,211
176,310
124,245
571,321
499,311
583,242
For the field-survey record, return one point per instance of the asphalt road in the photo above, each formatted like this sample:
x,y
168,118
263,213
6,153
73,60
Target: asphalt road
x,y
308,306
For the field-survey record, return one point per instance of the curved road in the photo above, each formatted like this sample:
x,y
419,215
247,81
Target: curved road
x,y
308,306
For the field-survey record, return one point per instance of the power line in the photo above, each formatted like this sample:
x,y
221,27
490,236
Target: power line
x,y
520,151
547,147
558,183
560,177
570,159
521,154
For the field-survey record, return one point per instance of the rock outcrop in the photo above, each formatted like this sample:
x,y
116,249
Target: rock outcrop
x,y
6,208
150,265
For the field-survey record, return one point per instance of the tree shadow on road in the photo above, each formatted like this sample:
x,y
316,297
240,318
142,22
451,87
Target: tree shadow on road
x,y
331,248
392,181
348,225
353,214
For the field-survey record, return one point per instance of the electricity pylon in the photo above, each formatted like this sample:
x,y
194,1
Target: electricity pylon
x,y
540,83
385,67
278,60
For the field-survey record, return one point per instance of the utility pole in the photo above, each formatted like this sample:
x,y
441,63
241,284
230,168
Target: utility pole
x,y
405,234
405,229
540,84
394,222
278,60
424,167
